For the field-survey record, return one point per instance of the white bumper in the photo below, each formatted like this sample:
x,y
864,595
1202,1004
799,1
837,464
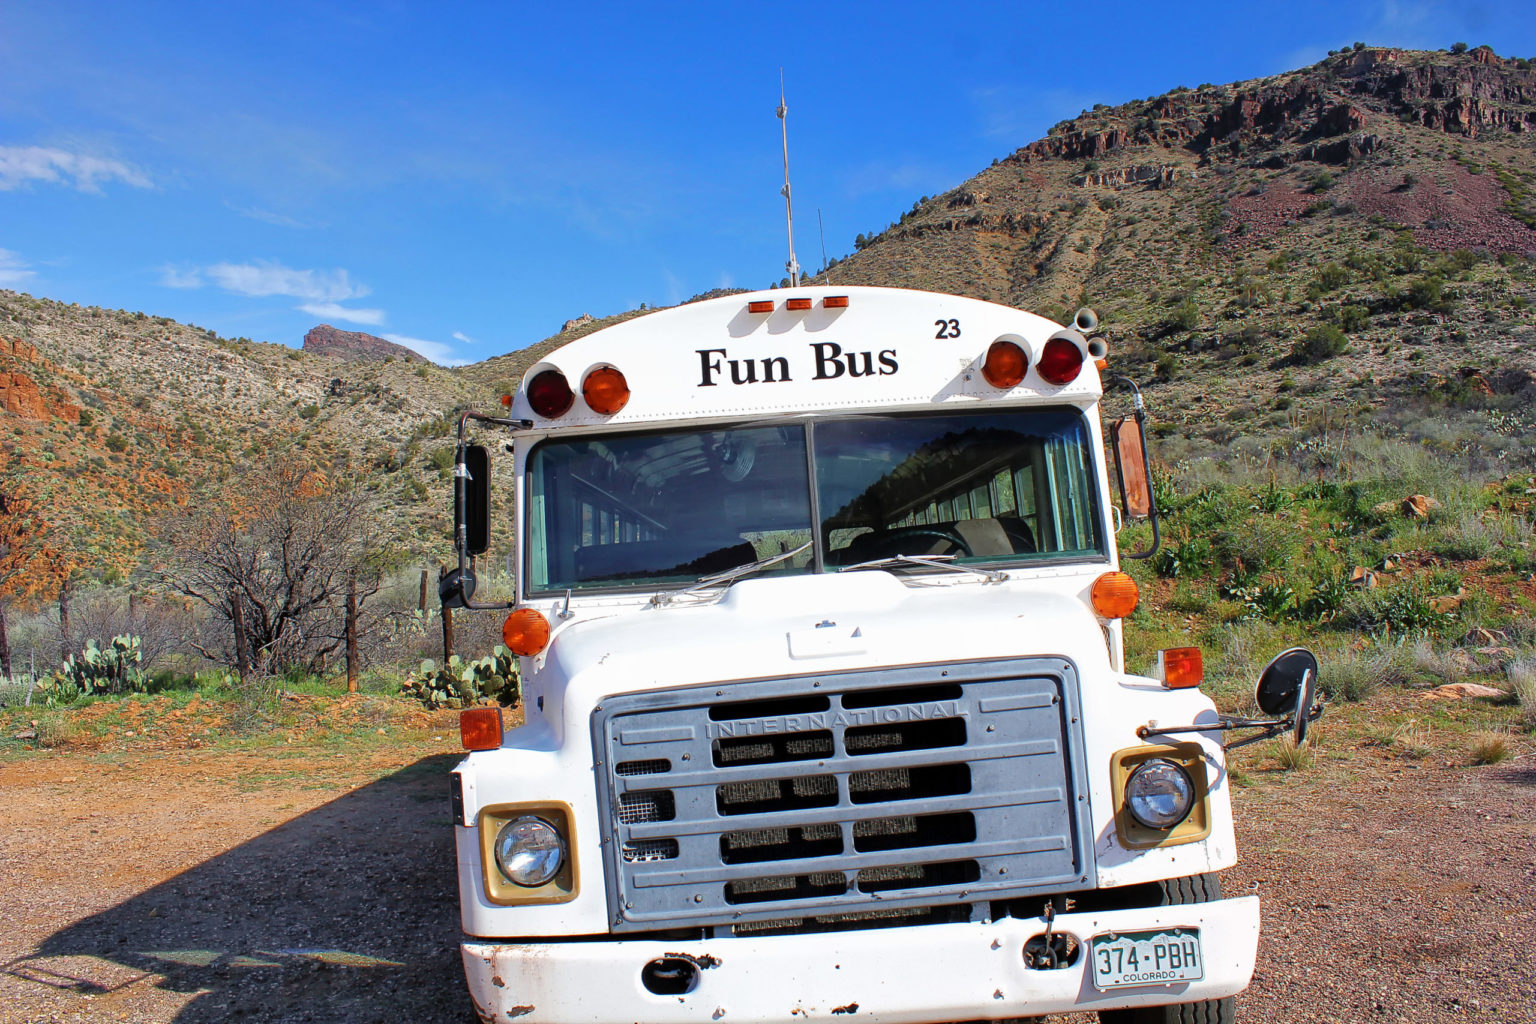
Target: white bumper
x,y
899,975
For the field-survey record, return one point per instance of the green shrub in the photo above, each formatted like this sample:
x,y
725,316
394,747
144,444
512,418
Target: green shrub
x,y
1353,318
1331,277
117,443
1321,342
309,412
87,417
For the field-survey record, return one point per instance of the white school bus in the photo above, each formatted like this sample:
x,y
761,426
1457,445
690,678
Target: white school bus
x,y
827,717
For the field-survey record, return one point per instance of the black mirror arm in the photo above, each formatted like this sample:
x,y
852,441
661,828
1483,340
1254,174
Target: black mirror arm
x,y
1270,727
1139,409
461,474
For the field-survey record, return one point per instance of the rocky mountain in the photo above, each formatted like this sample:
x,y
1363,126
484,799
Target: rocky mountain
x,y
326,340
1333,246
1235,238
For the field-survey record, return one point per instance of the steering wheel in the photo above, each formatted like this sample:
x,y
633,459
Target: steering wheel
x,y
895,542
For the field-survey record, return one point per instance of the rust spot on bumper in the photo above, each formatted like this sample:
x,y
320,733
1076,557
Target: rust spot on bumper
x,y
519,1011
850,1008
703,963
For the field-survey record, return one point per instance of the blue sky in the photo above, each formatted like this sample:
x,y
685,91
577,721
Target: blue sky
x,y
465,177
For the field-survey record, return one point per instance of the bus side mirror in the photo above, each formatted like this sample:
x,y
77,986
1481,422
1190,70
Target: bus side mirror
x,y
1131,467
1133,470
472,501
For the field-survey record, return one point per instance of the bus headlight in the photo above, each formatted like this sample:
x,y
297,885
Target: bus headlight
x,y
529,851
1159,794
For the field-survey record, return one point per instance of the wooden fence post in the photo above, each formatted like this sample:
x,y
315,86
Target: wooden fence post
x,y
242,652
447,623
421,602
352,631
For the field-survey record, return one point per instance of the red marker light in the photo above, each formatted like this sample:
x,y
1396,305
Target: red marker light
x,y
760,306
1060,361
550,395
797,304
835,302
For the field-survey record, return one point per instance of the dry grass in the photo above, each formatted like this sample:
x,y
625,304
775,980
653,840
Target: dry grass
x,y
1522,678
1490,748
1291,757
56,730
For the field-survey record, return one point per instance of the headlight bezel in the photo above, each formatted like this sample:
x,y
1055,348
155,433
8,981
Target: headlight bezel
x,y
490,821
1188,756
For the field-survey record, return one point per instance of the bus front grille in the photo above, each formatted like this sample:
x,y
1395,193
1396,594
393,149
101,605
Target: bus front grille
x,y
870,796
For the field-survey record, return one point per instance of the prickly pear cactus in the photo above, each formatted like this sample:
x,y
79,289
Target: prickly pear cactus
x,y
459,684
116,668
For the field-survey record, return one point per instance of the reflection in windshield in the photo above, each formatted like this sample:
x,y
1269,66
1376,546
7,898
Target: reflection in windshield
x,y
992,485
667,508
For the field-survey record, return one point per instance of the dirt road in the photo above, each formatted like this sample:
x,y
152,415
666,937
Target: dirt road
x,y
284,884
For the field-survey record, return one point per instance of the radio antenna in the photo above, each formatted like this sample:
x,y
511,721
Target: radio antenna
x,y
820,227
793,265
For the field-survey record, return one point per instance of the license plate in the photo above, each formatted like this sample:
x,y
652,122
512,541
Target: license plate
x,y
1146,958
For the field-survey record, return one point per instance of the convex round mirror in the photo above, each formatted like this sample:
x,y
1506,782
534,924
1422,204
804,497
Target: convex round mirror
x,y
1288,686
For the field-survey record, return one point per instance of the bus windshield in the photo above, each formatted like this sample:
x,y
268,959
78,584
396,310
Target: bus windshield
x,y
623,511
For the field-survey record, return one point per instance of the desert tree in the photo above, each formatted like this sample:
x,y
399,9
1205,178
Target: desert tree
x,y
272,558
31,562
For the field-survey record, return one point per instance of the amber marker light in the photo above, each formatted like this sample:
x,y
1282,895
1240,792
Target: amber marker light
x,y
605,390
835,302
1114,595
1005,365
797,303
480,728
760,306
506,402
525,632
1060,361
1101,364
1181,667
550,395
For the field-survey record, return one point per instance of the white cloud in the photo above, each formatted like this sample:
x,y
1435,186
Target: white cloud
x,y
22,164
434,350
177,277
336,311
466,339
265,277
13,269
281,220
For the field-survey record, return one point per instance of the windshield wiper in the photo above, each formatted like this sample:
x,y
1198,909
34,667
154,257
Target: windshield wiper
x,y
729,576
928,561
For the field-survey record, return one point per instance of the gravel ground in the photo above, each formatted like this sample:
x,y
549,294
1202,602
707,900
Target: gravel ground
x,y
286,885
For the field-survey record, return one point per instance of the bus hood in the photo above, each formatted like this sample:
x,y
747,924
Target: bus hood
x,y
817,624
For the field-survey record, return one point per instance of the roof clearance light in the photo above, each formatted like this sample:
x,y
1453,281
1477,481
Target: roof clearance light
x,y
797,303
1005,365
760,306
1114,595
1060,361
480,728
550,395
526,632
1181,667
605,390
835,302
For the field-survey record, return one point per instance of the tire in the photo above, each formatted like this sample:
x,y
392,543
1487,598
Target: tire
x,y
1176,891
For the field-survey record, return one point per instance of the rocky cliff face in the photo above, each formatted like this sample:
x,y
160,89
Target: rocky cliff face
x,y
326,340
20,394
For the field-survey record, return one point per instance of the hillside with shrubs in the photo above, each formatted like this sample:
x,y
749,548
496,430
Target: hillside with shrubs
x,y
1322,280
